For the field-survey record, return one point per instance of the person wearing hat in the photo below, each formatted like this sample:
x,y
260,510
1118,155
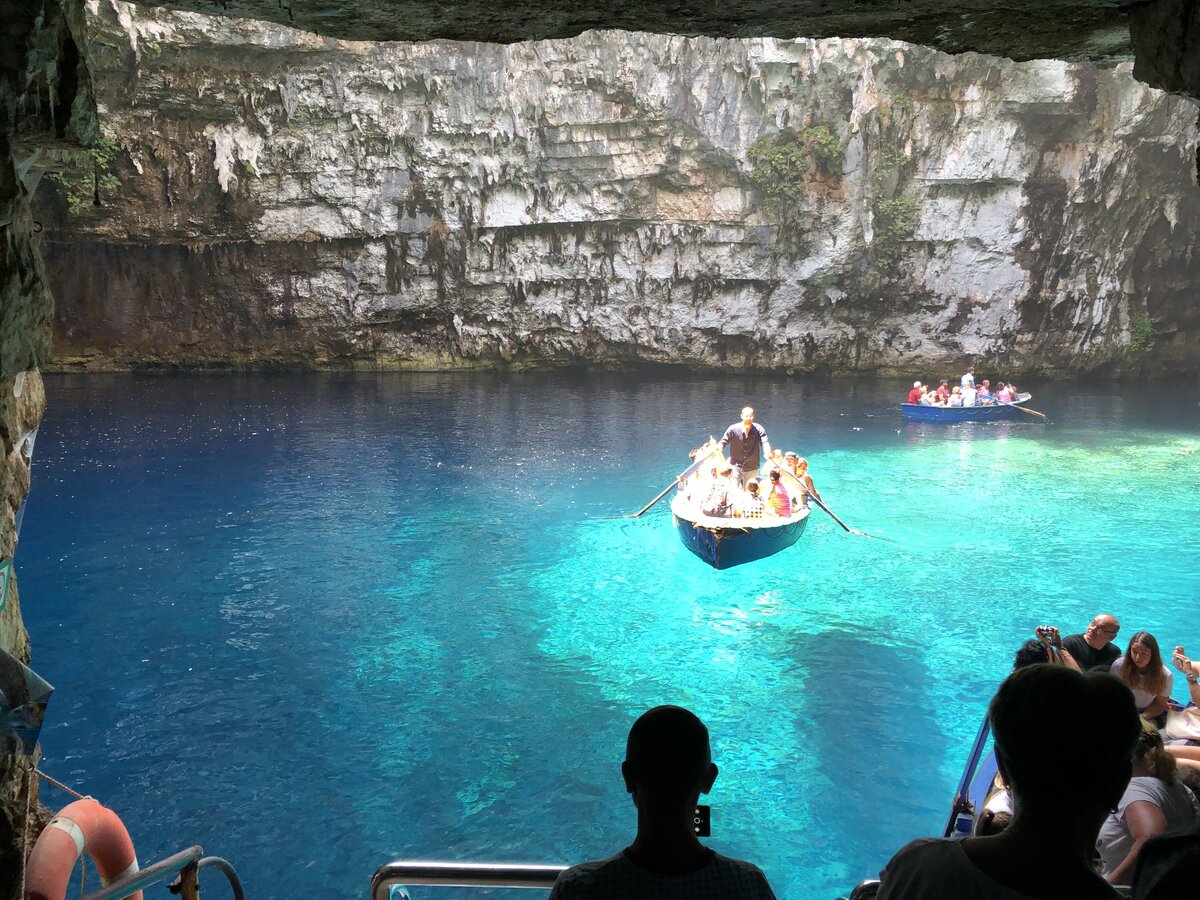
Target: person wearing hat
x,y
748,444
914,396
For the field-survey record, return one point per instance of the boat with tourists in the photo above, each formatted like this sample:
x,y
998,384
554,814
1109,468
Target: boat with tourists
x,y
993,412
724,542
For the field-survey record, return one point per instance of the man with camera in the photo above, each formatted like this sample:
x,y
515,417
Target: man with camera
x,y
668,765
1094,649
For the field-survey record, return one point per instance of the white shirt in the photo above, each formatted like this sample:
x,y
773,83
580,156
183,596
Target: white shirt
x,y
1141,697
1178,805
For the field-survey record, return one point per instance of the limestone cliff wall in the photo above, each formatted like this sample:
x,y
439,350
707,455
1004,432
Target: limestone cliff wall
x,y
289,198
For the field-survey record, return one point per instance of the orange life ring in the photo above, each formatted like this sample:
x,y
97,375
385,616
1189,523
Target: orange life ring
x,y
82,825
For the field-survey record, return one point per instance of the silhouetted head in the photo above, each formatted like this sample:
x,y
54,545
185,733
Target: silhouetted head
x,y
668,763
1037,716
1030,653
1168,867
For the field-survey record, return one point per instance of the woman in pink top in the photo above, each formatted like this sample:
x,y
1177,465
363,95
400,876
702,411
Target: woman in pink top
x,y
778,501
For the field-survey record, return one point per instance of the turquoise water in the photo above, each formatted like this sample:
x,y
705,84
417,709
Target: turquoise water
x,y
317,622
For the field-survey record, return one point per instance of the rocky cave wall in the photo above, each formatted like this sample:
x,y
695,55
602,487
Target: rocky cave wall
x,y
45,102
285,198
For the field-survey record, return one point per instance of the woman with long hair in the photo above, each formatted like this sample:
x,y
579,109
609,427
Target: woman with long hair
x,y
1155,802
1141,667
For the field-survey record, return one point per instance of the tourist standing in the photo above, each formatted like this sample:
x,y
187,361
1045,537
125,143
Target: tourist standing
x,y
968,379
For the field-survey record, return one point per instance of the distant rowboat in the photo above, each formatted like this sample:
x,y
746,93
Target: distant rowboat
x,y
916,412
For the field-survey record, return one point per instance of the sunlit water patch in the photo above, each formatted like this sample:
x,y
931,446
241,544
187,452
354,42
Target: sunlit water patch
x,y
315,623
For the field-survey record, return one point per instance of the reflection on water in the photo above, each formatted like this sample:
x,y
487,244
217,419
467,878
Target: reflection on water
x,y
316,622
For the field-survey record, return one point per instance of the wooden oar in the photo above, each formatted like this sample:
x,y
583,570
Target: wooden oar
x,y
686,473
829,511
1032,412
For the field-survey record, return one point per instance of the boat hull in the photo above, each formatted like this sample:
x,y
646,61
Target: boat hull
x,y
724,546
915,412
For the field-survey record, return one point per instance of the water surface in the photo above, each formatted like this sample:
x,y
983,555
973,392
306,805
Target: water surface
x,y
317,622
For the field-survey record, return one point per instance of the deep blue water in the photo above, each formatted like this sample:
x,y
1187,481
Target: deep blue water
x,y
317,622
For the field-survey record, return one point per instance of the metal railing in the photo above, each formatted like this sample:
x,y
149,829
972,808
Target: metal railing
x,y
186,864
414,873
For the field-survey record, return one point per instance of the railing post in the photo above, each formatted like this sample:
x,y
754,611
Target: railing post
x,y
189,882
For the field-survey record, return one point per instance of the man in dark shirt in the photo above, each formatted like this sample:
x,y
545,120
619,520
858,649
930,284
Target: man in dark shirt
x,y
1094,649
748,445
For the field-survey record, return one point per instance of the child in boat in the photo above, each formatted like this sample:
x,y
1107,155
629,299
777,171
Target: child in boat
x,y
752,504
956,397
778,502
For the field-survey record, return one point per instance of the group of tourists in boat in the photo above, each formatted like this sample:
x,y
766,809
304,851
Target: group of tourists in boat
x,y
1160,796
733,487
965,393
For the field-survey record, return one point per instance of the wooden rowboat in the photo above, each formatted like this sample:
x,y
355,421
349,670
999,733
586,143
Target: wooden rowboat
x,y
995,412
726,542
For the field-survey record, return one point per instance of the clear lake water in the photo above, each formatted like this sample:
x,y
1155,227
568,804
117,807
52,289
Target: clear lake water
x,y
317,622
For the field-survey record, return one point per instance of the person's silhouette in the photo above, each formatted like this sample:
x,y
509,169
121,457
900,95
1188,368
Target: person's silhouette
x,y
667,767
1063,743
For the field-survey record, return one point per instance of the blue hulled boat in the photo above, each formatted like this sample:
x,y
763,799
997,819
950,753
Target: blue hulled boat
x,y
996,412
727,542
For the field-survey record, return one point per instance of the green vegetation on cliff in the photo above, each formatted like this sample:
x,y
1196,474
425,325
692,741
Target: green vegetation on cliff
x,y
87,182
780,162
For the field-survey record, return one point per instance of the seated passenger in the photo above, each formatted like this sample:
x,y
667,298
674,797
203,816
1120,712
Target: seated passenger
x,y
943,390
806,481
1191,672
1154,803
778,502
968,395
956,397
719,501
1004,394
1060,795
984,395
667,767
914,396
1141,668
751,504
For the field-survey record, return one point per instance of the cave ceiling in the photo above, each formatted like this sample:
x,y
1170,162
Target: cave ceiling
x,y
1094,30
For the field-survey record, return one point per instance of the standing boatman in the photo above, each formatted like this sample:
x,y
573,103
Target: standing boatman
x,y
748,444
